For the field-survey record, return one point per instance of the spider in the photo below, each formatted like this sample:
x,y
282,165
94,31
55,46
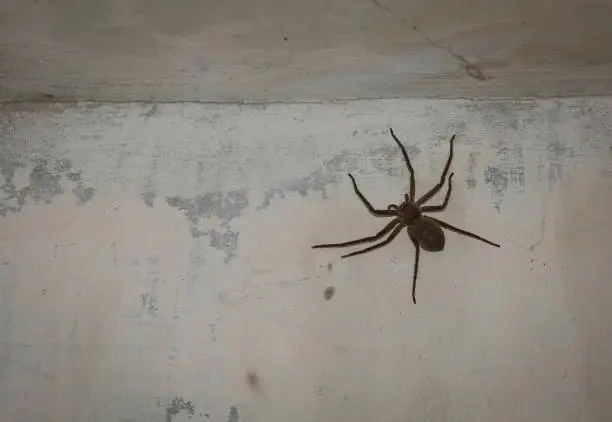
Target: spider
x,y
424,231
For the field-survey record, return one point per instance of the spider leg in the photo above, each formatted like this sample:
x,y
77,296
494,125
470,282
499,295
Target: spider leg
x,y
378,213
438,208
388,240
407,160
463,232
377,236
436,188
417,248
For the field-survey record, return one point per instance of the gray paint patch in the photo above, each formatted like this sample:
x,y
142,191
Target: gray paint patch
x,y
148,303
148,197
387,158
556,155
315,181
83,194
233,415
498,181
472,160
45,182
500,178
177,406
223,205
10,201
224,241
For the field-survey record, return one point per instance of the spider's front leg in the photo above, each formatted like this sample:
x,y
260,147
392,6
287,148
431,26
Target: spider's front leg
x,y
368,205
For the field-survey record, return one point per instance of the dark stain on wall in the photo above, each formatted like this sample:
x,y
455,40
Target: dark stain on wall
x,y
223,205
233,415
177,406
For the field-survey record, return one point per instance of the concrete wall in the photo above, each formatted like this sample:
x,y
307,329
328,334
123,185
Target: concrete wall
x,y
156,263
295,50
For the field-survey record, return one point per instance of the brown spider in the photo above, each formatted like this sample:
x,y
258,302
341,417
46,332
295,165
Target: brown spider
x,y
424,231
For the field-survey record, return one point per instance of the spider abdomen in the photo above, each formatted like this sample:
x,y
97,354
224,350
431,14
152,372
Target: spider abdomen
x,y
429,234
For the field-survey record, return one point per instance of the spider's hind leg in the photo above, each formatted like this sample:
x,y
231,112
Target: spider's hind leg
x,y
377,236
385,242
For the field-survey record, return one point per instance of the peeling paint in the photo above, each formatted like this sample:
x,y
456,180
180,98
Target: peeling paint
x,y
43,184
471,180
225,206
177,406
387,158
315,181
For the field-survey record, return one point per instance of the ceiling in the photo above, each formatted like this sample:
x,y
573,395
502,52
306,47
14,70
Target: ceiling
x,y
290,50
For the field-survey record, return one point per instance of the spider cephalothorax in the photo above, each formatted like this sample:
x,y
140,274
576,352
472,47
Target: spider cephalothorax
x,y
424,231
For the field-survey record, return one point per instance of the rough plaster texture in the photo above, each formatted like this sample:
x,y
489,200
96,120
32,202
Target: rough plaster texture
x,y
156,263
295,50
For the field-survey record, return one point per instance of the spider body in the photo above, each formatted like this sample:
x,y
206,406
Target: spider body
x,y
428,233
425,232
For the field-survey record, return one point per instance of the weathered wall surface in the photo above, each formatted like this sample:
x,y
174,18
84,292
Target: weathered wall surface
x,y
292,50
156,263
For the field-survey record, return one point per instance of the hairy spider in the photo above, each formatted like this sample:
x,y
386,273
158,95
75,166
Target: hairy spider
x,y
424,231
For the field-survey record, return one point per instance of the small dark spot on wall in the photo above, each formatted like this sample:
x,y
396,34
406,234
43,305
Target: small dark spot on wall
x,y
252,380
555,173
151,111
329,292
330,267
474,71
177,406
83,194
233,415
148,197
74,176
148,303
285,39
